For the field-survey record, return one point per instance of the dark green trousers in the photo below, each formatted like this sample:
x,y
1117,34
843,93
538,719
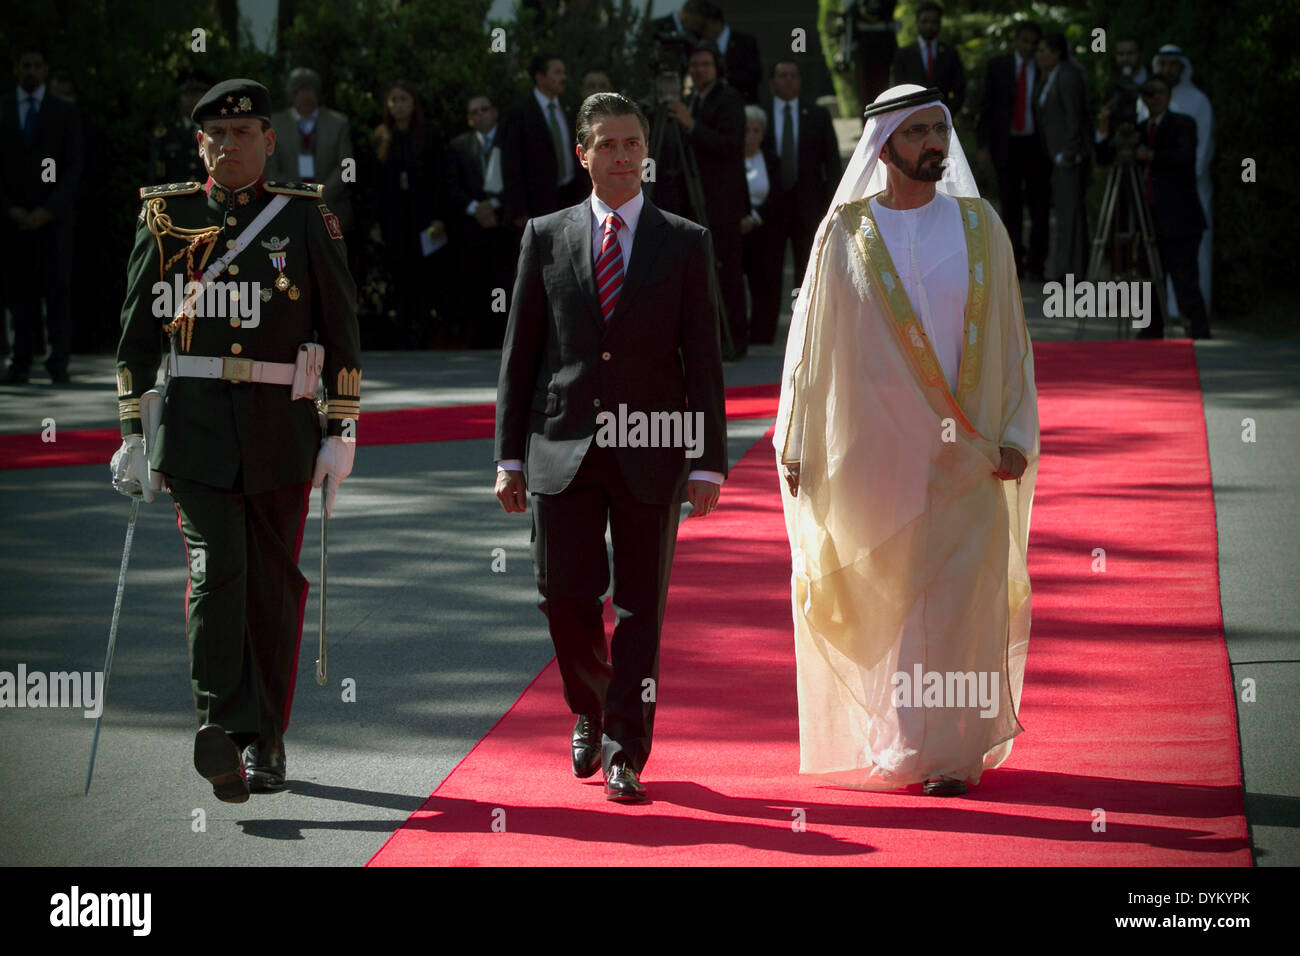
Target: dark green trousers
x,y
244,604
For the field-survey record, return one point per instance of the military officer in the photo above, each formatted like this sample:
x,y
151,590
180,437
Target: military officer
x,y
239,444
172,156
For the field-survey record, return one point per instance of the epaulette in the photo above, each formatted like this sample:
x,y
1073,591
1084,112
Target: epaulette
x,y
310,190
170,189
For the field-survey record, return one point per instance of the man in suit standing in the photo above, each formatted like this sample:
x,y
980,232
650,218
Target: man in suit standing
x,y
314,141
1167,150
803,138
538,169
714,124
1061,116
739,52
484,239
613,309
40,170
1009,142
931,63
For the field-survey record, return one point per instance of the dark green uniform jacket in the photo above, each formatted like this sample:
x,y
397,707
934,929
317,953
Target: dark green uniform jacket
x,y
245,436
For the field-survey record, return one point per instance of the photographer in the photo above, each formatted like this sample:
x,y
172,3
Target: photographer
x,y
1167,151
714,128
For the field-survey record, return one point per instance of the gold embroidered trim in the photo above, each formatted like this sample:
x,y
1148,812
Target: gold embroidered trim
x,y
349,382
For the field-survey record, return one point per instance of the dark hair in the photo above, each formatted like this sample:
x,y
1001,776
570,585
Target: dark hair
x,y
700,8
1162,80
719,63
775,63
541,63
929,7
417,115
37,48
1057,44
1128,38
1032,26
710,11
599,105
478,96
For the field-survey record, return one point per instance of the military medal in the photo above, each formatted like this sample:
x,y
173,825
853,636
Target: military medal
x,y
294,293
275,249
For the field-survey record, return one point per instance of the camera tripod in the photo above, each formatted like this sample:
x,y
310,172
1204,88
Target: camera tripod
x,y
1124,181
666,144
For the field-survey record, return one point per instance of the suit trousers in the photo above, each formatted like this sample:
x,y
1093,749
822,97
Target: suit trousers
x,y
1178,258
244,603
38,265
764,284
785,225
572,567
1069,184
729,252
1024,179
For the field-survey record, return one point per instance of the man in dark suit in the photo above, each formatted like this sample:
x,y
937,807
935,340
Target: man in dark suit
x,y
928,62
1009,142
538,170
484,240
1166,158
714,124
1061,115
586,342
739,52
40,171
803,138
172,156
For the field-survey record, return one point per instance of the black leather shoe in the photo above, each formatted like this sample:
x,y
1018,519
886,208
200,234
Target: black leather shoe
x,y
216,758
13,376
586,746
944,787
58,374
264,765
621,782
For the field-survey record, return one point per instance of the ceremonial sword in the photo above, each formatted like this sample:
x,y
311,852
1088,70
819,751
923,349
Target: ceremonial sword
x,y
324,562
112,635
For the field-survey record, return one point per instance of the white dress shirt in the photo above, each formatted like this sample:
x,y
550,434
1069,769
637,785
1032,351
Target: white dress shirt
x,y
566,134
756,177
778,122
24,104
1031,71
306,126
928,248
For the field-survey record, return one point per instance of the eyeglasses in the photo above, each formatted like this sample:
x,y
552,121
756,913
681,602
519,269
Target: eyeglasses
x,y
918,133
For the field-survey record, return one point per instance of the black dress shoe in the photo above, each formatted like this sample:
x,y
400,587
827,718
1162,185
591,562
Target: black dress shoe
x,y
944,787
216,758
13,376
586,746
621,782
264,765
58,374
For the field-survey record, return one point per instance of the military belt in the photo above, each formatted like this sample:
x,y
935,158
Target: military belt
x,y
231,369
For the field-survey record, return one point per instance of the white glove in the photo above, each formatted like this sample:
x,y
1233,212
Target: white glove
x,y
333,464
130,469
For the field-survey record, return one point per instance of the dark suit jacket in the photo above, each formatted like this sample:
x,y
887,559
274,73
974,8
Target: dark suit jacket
x,y
818,159
993,131
1062,119
1176,207
528,165
332,145
57,136
562,364
949,76
465,183
718,139
743,67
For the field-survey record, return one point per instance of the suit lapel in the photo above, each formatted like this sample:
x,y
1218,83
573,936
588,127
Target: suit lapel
x,y
577,238
651,229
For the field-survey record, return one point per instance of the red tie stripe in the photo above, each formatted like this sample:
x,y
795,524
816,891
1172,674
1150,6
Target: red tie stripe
x,y
609,267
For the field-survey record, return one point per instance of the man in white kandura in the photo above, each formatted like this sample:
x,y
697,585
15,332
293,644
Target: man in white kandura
x,y
908,439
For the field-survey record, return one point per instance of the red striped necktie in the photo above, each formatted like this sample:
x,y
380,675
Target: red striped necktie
x,y
609,267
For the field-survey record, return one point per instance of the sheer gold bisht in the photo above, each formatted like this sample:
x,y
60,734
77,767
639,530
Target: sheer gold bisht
x,y
908,555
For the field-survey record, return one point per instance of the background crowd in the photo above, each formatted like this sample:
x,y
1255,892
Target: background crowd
x,y
436,140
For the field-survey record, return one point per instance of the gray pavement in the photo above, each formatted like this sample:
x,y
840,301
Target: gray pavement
x,y
438,645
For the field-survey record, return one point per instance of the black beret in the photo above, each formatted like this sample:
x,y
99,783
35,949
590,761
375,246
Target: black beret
x,y
234,99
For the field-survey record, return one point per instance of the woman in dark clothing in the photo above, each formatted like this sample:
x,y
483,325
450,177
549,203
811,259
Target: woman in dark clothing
x,y
409,215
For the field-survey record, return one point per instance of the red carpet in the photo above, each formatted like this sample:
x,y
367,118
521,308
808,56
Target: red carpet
x,y
402,426
1128,701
